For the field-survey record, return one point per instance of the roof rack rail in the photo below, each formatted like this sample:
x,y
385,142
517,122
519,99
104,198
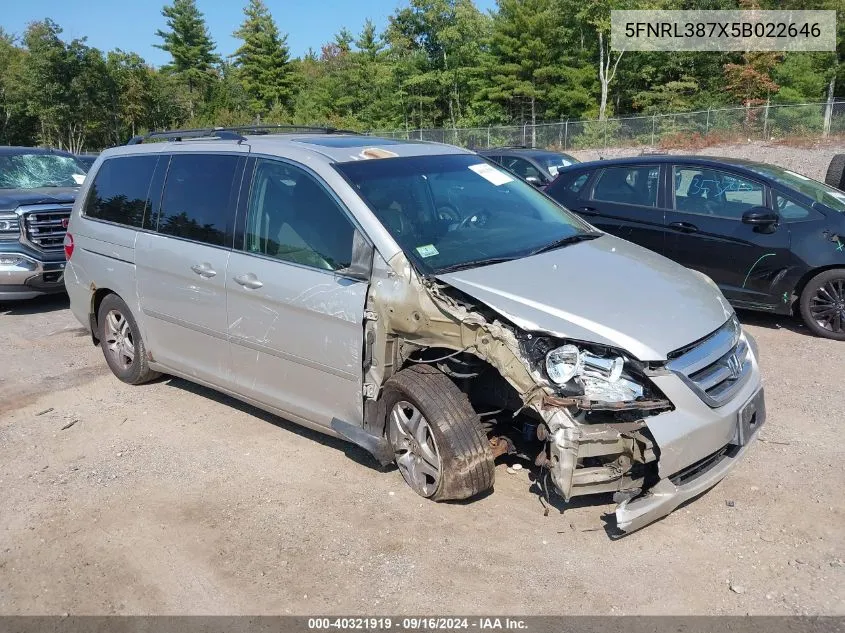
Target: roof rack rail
x,y
235,133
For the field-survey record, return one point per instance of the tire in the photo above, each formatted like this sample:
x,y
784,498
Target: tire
x,y
822,304
835,176
119,335
443,453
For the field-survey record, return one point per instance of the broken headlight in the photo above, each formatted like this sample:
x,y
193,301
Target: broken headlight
x,y
602,378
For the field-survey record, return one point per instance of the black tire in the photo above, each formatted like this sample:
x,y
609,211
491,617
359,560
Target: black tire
x,y
466,460
835,176
113,331
822,304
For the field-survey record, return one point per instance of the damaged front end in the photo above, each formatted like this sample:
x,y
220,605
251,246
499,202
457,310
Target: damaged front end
x,y
577,410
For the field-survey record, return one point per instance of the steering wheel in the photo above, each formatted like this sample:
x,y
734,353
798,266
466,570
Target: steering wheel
x,y
448,212
475,220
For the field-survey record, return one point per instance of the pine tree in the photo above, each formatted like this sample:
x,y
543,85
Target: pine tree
x,y
263,60
190,46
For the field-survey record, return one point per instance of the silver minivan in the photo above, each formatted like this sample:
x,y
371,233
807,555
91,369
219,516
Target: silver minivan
x,y
418,301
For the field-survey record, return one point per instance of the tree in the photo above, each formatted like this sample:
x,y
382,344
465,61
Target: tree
x,y
190,46
263,60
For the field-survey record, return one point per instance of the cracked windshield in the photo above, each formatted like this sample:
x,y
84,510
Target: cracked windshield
x,y
34,171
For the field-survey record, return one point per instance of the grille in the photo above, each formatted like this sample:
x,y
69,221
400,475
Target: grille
x,y
45,228
715,367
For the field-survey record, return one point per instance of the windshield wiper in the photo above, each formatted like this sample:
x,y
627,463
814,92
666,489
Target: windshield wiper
x,y
474,263
566,241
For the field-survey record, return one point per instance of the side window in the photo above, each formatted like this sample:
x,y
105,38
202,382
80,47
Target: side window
x,y
703,191
120,191
197,200
793,212
628,185
292,217
568,186
521,167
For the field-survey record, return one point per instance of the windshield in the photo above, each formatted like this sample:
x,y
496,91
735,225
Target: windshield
x,y
555,162
833,198
33,171
459,210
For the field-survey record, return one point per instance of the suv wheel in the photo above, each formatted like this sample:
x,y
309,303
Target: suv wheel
x,y
441,449
121,342
823,304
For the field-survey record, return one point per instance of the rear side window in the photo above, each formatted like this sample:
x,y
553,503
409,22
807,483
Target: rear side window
x,y
198,197
120,191
628,185
568,184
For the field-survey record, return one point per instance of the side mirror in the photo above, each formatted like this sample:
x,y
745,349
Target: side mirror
x,y
362,258
760,216
534,180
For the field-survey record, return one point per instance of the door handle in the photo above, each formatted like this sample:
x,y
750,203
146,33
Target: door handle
x,y
684,227
249,280
204,270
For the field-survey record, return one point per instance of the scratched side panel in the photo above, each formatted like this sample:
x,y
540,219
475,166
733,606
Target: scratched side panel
x,y
296,342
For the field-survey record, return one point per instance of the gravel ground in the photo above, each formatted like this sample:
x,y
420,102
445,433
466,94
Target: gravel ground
x,y
172,499
169,498
811,162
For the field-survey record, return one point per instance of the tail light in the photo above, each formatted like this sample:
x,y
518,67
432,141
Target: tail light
x,y
68,244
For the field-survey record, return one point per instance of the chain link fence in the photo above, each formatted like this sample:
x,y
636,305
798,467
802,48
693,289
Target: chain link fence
x,y
765,122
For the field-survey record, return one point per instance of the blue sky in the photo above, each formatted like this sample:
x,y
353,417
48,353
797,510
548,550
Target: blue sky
x,y
131,24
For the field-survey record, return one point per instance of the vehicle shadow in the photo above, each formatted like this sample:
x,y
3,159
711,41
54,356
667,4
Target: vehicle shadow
x,y
352,451
773,321
38,305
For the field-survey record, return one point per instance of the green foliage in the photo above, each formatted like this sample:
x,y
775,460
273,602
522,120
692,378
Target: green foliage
x,y
439,63
263,60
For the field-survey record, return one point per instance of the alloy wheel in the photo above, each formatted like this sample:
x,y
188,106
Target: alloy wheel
x,y
118,336
416,450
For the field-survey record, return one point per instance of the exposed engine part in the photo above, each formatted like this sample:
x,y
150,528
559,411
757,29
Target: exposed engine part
x,y
501,446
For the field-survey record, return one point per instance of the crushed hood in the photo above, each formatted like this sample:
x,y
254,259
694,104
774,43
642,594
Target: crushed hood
x,y
606,291
13,198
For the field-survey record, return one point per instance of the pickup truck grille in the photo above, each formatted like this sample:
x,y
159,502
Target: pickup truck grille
x,y
45,229
715,367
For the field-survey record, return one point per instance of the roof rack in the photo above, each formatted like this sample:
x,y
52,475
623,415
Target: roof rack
x,y
232,133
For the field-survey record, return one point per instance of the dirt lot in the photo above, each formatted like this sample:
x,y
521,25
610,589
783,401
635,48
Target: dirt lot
x,y
169,498
811,161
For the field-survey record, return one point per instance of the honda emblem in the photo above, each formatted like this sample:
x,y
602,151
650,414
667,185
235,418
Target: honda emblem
x,y
734,366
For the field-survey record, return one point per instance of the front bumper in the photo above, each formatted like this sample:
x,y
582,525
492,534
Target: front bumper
x,y
25,277
688,450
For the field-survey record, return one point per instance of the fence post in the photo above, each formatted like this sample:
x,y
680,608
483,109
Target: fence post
x,y
653,124
707,125
766,120
565,133
605,134
524,133
488,137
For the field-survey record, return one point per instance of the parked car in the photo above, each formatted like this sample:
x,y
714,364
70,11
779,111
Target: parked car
x,y
315,276
37,189
772,239
537,166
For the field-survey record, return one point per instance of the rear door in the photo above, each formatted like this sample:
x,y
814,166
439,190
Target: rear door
x,y
706,233
628,201
181,269
296,320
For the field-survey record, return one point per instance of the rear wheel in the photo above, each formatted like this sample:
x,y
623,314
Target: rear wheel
x,y
121,342
835,176
441,449
823,304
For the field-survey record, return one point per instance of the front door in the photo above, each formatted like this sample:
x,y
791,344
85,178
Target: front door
x,y
706,233
181,269
626,201
295,319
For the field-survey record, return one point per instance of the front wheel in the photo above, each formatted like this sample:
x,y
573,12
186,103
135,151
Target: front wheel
x,y
823,304
440,448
